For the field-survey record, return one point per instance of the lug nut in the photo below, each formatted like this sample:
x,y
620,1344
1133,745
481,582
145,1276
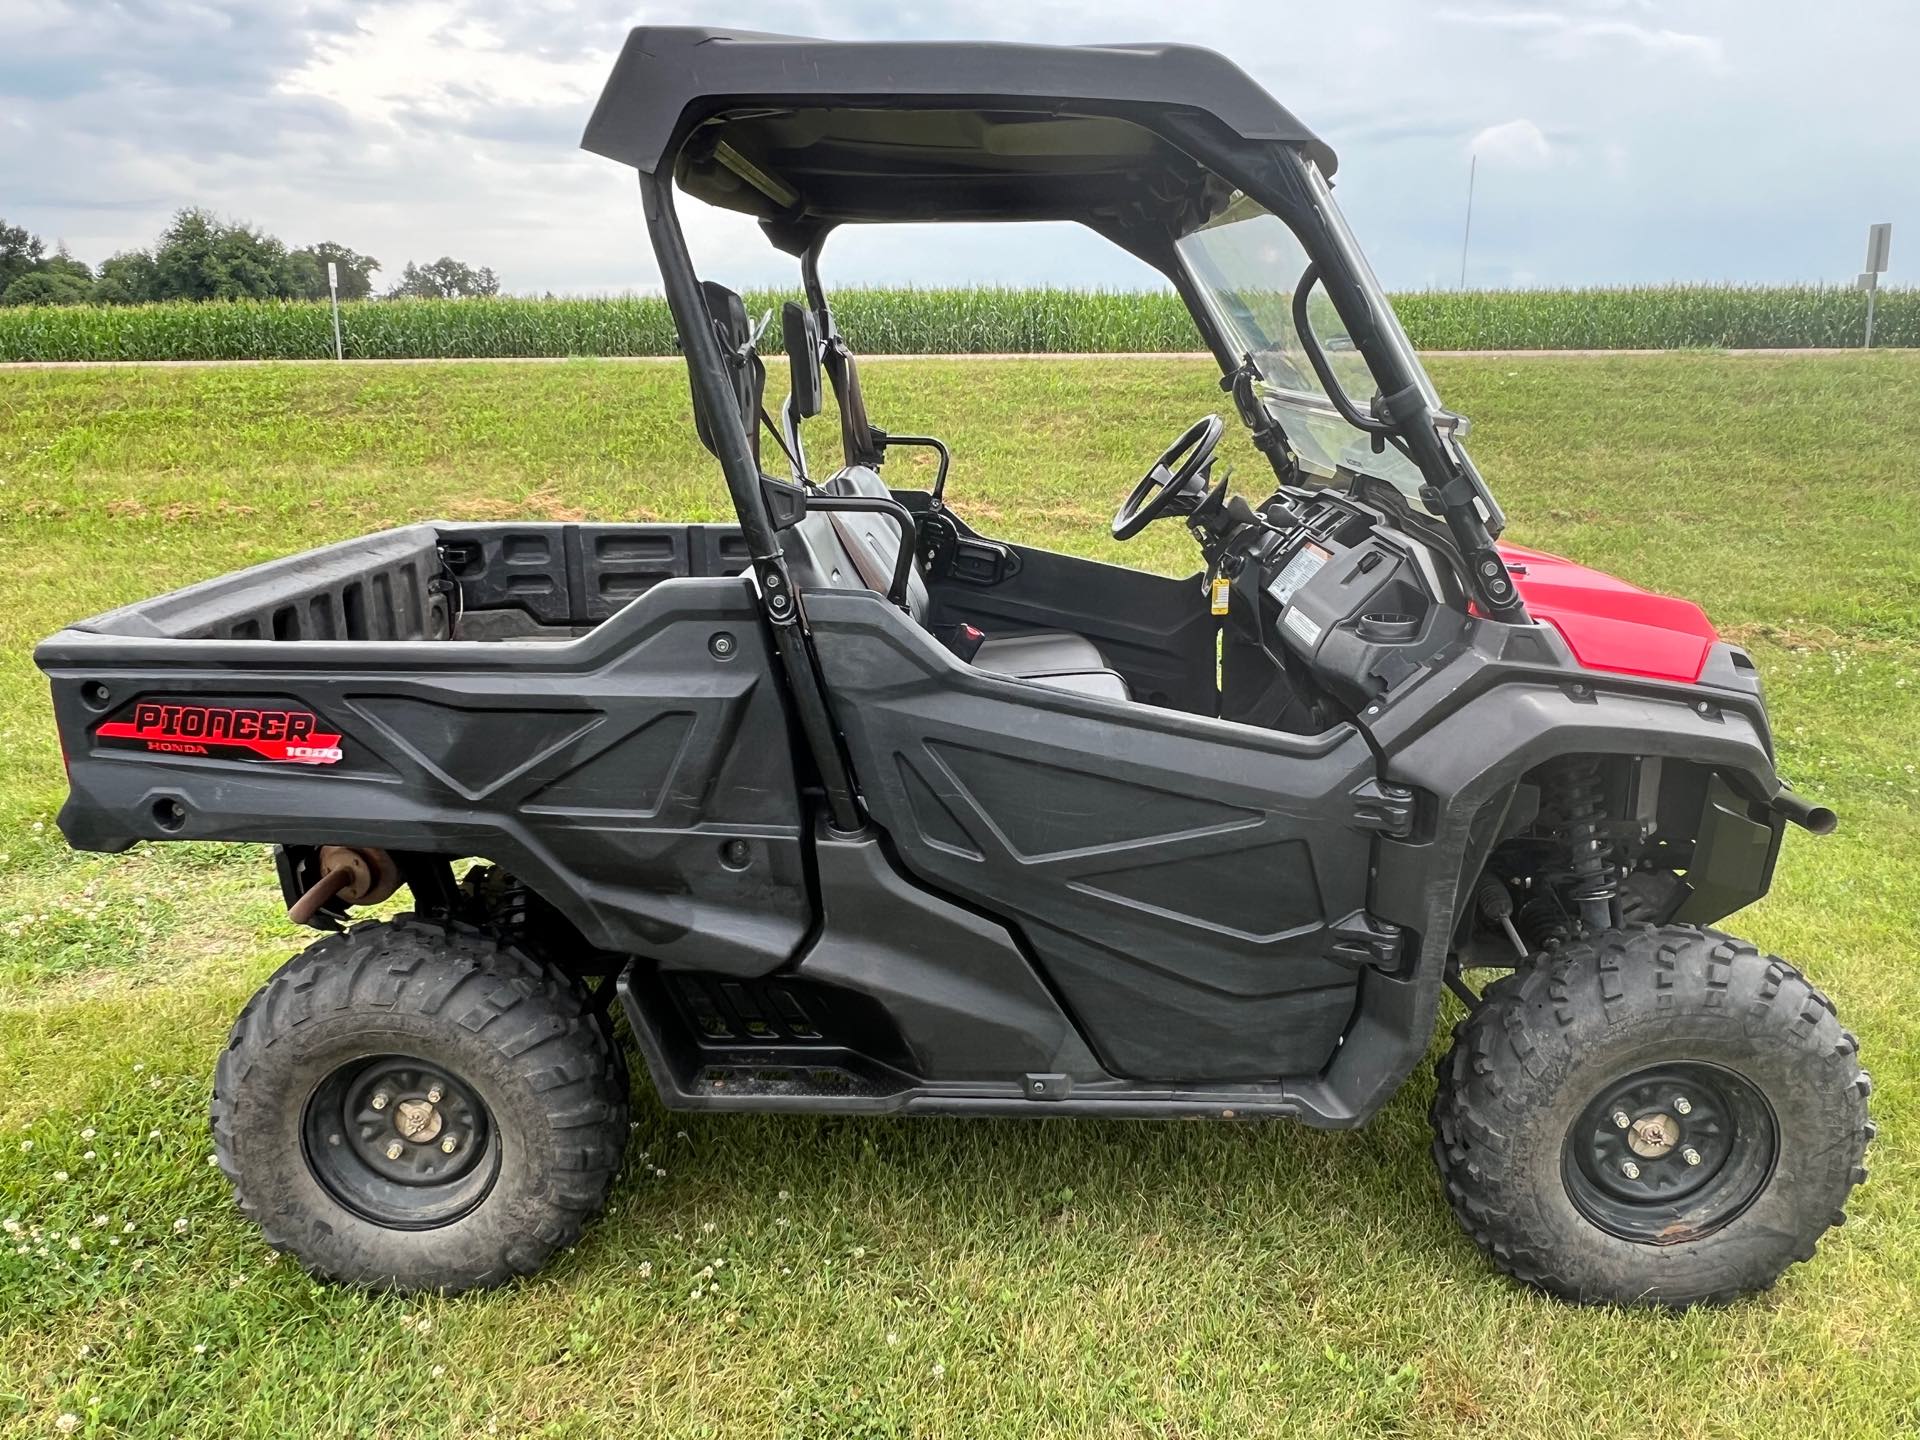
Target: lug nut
x,y
433,1096
1682,1106
1630,1170
395,1150
1620,1119
379,1101
1690,1155
448,1145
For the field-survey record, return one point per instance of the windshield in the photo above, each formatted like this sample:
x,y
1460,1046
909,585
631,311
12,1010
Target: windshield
x,y
1247,262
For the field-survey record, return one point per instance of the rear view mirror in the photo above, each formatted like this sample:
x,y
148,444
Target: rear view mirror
x,y
800,333
745,372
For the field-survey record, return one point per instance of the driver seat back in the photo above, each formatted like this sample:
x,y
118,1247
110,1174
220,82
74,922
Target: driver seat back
x,y
856,550
871,540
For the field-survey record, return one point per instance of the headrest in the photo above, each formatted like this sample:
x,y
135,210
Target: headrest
x,y
856,431
800,337
746,373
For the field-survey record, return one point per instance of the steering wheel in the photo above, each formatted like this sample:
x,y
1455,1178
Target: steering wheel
x,y
1170,478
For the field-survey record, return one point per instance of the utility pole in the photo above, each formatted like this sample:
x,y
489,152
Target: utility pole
x,y
1473,163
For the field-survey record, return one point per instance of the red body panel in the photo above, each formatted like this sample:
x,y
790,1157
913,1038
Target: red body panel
x,y
1609,624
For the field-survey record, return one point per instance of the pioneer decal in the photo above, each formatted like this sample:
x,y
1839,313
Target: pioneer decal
x,y
168,728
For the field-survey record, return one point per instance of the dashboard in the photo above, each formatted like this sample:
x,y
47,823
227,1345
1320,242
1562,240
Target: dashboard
x,y
1333,608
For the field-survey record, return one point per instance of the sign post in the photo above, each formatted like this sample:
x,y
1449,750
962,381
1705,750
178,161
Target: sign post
x,y
1879,242
333,290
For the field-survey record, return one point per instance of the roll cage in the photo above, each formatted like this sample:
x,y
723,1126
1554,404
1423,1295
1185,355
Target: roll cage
x,y
1140,143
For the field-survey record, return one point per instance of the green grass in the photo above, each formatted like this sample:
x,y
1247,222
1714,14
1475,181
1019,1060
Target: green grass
x,y
951,321
931,1277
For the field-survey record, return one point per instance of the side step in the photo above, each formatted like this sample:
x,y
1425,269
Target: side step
x,y
732,1045
715,1042
745,1078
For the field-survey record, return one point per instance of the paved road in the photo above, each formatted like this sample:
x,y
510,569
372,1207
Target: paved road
x,y
864,359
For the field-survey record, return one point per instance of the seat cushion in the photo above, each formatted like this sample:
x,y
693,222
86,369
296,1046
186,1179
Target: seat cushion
x,y
1045,652
1053,657
1106,684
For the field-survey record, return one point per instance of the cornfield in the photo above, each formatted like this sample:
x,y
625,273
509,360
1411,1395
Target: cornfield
x,y
974,321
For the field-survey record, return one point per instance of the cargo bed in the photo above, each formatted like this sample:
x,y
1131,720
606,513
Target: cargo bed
x,y
436,580
404,692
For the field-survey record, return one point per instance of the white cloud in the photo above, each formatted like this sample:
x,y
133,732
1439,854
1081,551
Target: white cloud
x,y
1572,37
1518,143
414,128
407,58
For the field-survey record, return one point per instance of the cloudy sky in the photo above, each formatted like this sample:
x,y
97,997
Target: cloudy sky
x,y
1618,140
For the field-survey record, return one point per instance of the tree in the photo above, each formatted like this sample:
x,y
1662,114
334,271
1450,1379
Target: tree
x,y
202,257
445,279
129,278
56,279
19,253
47,287
61,262
356,270
183,260
300,276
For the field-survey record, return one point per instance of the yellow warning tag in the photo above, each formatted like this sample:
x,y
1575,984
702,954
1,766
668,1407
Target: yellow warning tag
x,y
1221,589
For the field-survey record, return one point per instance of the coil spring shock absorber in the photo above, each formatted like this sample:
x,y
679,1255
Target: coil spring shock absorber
x,y
1581,796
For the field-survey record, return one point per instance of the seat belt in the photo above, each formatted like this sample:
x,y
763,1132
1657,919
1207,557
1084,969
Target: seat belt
x,y
793,461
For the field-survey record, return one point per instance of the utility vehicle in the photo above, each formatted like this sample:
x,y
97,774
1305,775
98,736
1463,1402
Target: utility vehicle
x,y
854,807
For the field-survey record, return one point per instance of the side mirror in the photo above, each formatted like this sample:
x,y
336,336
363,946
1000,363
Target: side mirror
x,y
745,372
800,334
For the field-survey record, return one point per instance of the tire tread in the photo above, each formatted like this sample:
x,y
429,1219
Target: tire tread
x,y
538,1019
1489,1077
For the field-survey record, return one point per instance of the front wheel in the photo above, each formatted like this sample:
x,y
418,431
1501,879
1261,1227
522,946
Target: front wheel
x,y
419,1107
1658,1115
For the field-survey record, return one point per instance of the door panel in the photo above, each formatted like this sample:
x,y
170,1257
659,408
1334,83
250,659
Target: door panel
x,y
1188,886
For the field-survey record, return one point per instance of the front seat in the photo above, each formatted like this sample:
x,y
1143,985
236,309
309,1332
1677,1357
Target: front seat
x,y
857,550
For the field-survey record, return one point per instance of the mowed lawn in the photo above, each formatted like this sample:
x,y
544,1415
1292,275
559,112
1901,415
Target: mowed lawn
x,y
827,1278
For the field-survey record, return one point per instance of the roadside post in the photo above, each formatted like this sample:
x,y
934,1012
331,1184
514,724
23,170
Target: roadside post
x,y
333,290
1879,242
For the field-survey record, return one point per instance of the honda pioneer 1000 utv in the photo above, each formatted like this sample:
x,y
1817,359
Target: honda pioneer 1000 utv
x,y
852,807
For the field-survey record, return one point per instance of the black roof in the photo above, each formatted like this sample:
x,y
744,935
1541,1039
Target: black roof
x,y
822,132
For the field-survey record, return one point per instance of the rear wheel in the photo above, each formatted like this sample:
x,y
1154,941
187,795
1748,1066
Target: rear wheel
x,y
1657,1115
420,1107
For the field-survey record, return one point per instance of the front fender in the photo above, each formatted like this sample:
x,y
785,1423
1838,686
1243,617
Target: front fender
x,y
1502,709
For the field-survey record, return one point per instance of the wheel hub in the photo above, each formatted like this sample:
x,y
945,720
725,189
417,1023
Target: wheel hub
x,y
417,1120
401,1142
1652,1136
1635,1167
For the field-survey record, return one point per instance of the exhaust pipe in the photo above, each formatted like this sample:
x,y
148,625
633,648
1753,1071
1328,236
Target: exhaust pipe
x,y
353,876
1808,816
